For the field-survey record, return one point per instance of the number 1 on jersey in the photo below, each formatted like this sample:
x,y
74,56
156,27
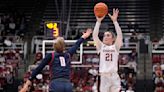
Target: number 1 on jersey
x,y
108,57
62,61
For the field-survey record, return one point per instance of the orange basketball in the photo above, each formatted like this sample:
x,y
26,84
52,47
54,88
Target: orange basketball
x,y
100,9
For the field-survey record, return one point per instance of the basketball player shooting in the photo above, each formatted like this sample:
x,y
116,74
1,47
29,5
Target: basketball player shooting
x,y
109,51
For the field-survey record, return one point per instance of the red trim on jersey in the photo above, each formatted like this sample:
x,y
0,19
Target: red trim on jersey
x,y
50,65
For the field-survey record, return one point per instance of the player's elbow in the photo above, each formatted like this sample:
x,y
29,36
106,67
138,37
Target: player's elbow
x,y
121,44
94,36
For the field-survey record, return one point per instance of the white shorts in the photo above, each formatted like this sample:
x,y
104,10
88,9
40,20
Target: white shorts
x,y
110,82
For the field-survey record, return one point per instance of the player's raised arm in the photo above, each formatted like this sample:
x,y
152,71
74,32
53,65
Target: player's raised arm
x,y
43,63
85,35
96,32
119,38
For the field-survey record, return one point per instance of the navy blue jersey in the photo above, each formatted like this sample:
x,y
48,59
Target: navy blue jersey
x,y
60,66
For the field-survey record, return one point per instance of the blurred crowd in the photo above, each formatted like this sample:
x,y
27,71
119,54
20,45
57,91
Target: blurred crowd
x,y
11,43
158,72
10,61
12,23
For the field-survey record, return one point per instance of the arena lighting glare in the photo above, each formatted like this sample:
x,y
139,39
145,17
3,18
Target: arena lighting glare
x,y
54,28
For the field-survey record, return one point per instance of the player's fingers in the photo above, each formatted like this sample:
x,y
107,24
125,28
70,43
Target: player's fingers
x,y
117,11
100,19
113,10
109,15
83,32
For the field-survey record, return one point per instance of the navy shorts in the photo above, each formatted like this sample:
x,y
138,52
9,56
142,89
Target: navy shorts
x,y
60,85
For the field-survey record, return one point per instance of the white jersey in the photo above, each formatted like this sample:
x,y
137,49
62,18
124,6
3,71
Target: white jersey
x,y
108,59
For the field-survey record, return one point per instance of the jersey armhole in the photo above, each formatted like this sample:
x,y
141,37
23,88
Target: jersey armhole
x,y
50,64
52,58
69,55
116,49
98,51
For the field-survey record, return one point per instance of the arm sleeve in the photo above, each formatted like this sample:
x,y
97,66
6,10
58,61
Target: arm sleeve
x,y
73,49
95,36
43,63
118,41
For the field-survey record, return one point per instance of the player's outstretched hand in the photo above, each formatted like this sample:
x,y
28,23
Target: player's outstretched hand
x,y
26,86
87,33
115,15
100,19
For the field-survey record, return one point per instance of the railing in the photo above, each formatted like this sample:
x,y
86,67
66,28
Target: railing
x,y
158,47
18,46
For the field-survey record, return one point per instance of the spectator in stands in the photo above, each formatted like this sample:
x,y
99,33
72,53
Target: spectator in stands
x,y
95,59
45,86
40,84
1,40
34,85
2,58
12,26
134,37
18,57
21,22
123,82
156,58
132,63
10,78
124,59
10,54
133,55
7,42
89,58
2,27
159,82
158,70
38,58
75,58
158,89
154,66
130,69
88,85
93,71
130,89
79,88
60,74
126,42
162,65
131,80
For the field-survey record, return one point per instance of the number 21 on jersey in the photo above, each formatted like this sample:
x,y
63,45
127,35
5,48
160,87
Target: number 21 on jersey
x,y
108,56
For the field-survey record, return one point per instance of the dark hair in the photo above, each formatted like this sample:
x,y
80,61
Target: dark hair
x,y
113,34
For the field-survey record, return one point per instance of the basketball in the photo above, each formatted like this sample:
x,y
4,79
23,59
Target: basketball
x,y
100,9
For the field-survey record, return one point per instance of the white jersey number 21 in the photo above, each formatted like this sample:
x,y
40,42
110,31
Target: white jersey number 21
x,y
108,57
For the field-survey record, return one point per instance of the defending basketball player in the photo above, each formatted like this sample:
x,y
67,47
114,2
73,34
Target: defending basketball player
x,y
60,65
109,51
